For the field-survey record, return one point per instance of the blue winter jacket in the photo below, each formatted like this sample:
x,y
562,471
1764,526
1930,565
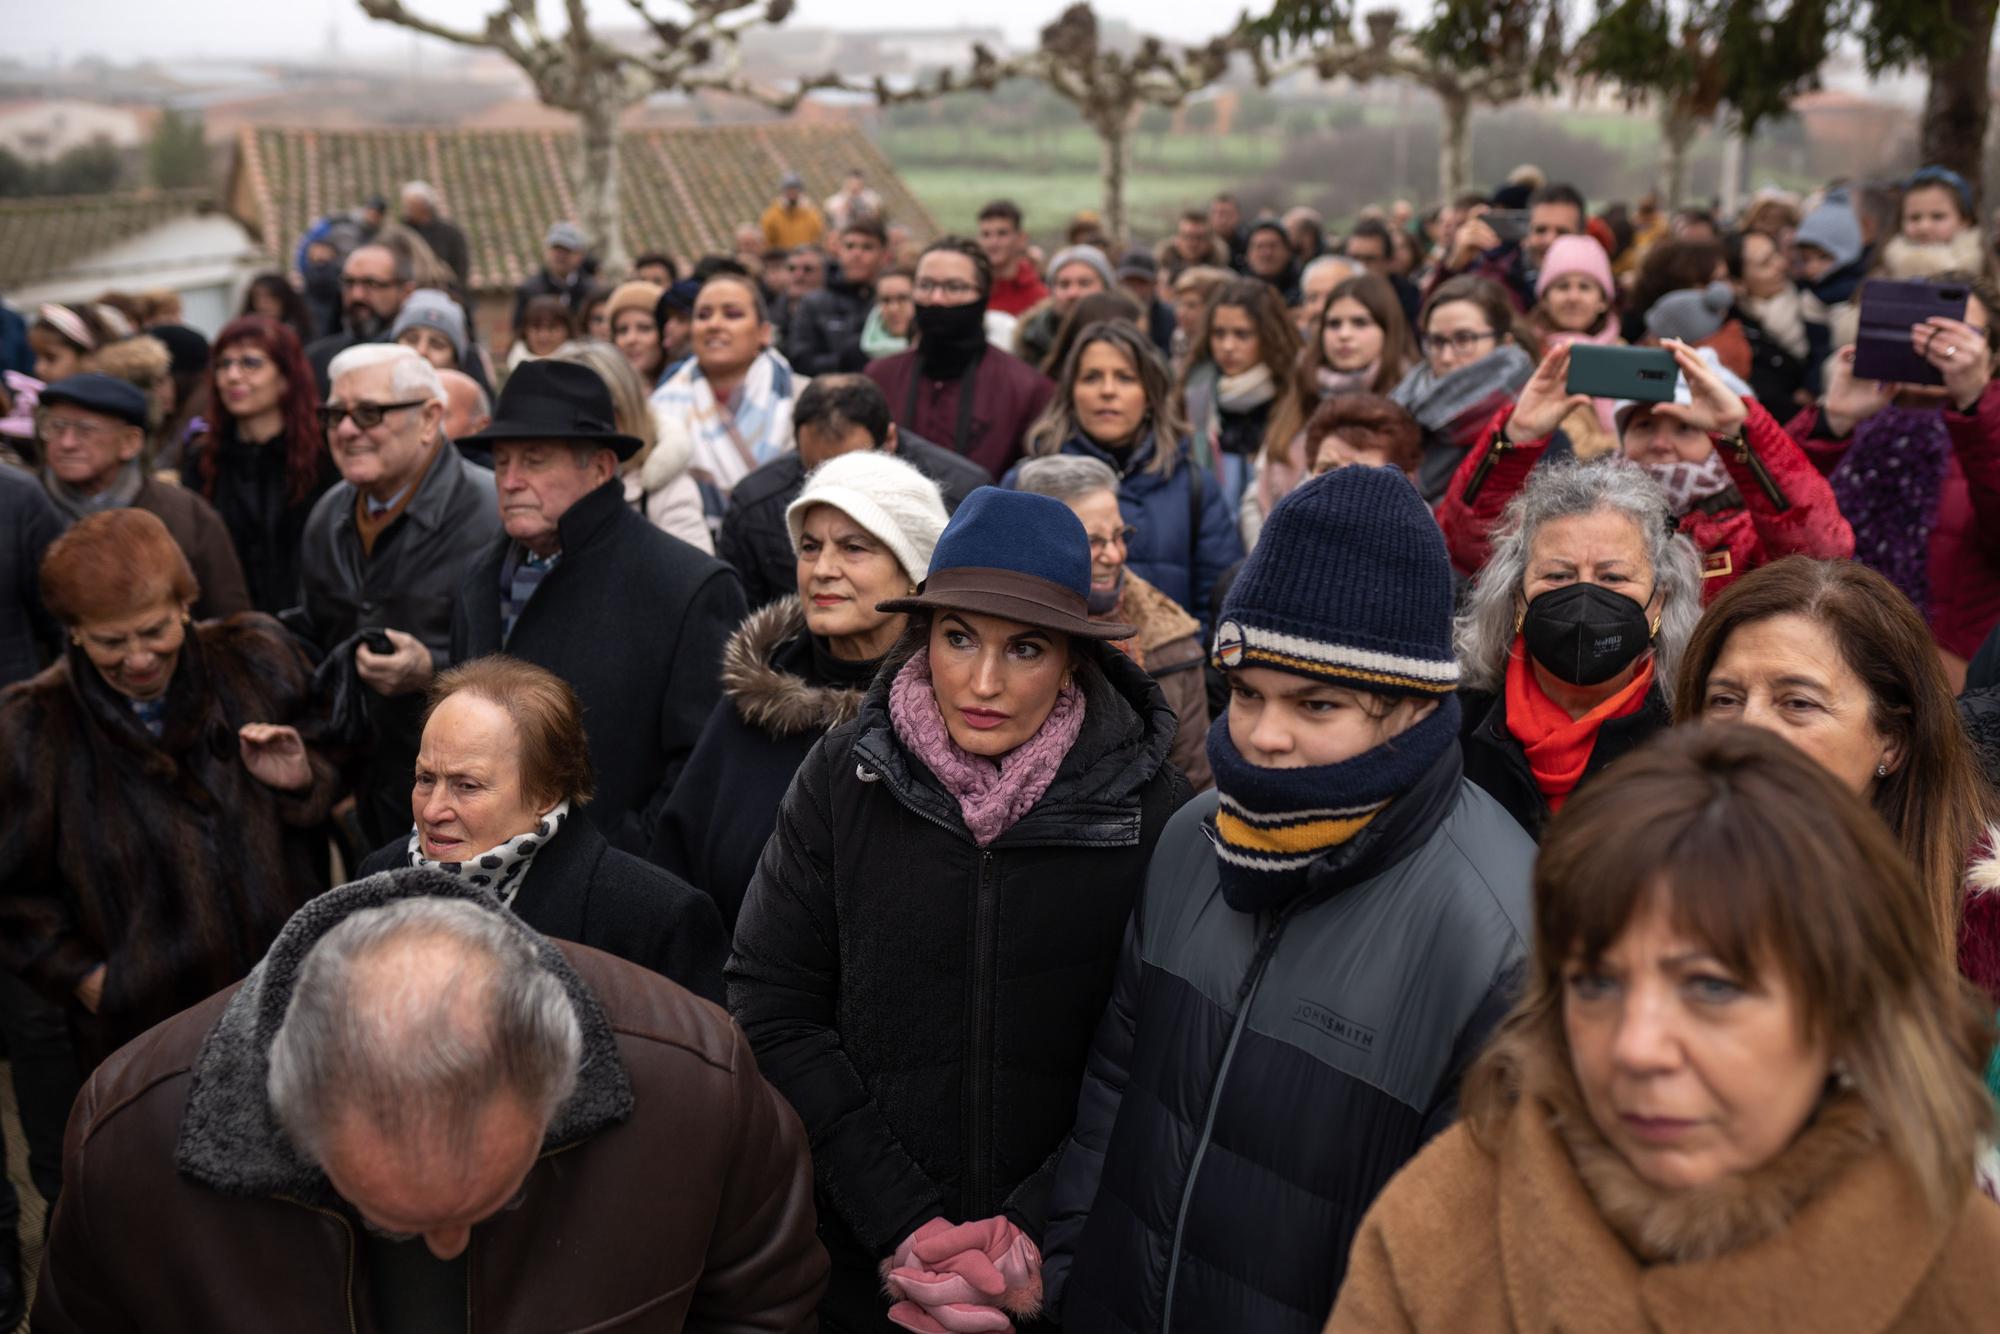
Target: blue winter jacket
x,y
1187,536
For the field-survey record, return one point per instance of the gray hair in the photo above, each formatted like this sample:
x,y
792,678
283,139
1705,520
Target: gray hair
x,y
419,190
1484,630
1067,477
411,376
1328,262
424,1052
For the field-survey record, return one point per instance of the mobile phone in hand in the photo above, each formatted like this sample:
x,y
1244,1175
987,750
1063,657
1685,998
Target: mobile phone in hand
x,y
1642,374
1509,224
1889,311
378,643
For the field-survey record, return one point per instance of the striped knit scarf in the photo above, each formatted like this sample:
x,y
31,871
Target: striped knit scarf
x,y
1273,824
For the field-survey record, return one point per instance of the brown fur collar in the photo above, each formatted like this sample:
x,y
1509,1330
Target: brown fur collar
x,y
774,701
1160,620
1681,1226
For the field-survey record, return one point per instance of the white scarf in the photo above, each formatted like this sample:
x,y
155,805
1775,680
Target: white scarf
x,y
1782,316
501,869
728,444
1685,483
1251,389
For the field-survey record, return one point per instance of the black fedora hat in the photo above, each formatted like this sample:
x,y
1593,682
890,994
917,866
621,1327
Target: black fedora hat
x,y
557,400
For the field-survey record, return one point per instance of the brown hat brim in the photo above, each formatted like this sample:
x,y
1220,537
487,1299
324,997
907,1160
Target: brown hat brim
x,y
1011,596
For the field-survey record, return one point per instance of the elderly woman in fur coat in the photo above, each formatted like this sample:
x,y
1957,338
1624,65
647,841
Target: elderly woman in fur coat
x,y
863,529
157,808
1742,1092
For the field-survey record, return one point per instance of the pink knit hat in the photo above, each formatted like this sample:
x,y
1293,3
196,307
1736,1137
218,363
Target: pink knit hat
x,y
1575,254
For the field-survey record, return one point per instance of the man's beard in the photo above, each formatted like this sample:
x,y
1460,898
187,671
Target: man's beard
x,y
364,323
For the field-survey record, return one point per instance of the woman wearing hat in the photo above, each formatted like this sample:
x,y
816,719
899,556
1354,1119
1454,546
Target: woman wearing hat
x,y
1320,951
635,331
930,936
862,530
263,462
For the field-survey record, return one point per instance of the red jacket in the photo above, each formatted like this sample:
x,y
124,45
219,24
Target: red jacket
x,y
1019,291
1731,543
1965,544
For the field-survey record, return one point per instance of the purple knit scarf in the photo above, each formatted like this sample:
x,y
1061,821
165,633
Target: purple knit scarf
x,y
1888,486
992,796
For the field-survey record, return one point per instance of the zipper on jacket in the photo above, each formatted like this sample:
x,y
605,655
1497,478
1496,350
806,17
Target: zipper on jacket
x,y
347,1230
1772,491
979,1054
1245,993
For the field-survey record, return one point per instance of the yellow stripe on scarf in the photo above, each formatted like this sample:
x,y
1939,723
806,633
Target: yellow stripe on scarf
x,y
1316,668
1291,839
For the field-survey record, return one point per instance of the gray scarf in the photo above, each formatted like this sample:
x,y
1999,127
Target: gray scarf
x,y
76,504
1456,405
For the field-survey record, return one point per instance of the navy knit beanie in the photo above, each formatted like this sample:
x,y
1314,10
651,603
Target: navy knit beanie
x,y
1349,583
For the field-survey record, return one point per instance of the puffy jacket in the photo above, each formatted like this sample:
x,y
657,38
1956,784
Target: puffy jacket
x,y
825,331
926,1004
1187,532
756,541
1965,543
1259,1078
1734,532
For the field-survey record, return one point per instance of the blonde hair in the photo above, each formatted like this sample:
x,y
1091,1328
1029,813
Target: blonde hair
x,y
628,394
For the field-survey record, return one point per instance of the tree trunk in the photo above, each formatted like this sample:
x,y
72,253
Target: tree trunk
x,y
1677,132
597,178
1956,107
1454,145
1114,144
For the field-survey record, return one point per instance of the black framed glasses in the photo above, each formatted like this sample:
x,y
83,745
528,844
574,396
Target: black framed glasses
x,y
1123,537
367,416
1462,341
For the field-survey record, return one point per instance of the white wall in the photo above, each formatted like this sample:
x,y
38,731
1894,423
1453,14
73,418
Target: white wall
x,y
208,258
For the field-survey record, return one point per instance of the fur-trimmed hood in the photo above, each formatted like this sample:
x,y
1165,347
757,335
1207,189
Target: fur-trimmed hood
x,y
766,696
229,1139
1979,918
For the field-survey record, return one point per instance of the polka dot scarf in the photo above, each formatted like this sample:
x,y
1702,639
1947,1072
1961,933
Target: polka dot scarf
x,y
504,868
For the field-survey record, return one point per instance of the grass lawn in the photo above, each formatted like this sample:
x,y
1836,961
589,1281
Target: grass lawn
x,y
1049,198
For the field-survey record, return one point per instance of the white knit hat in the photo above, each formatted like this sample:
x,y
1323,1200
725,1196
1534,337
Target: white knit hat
x,y
898,506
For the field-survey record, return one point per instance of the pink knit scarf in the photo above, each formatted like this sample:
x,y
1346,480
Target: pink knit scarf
x,y
993,796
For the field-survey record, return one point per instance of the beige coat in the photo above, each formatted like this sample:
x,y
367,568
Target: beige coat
x,y
1169,647
1829,1238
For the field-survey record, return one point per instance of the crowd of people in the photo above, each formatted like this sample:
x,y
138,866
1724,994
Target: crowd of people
x,y
957,786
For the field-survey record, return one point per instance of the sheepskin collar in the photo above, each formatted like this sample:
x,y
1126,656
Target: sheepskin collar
x,y
1159,619
1979,919
1904,258
1663,1226
768,696
229,1139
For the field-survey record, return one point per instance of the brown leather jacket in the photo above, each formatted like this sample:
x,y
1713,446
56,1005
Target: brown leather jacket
x,y
674,1190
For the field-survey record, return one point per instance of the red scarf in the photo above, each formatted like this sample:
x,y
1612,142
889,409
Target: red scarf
x,y
1558,747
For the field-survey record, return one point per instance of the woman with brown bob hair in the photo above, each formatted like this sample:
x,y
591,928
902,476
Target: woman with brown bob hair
x,y
159,815
1722,1104
1828,655
503,771
1237,378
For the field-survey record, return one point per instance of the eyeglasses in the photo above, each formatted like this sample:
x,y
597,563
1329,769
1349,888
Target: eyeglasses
x,y
370,284
247,363
55,428
1122,538
1462,341
945,287
367,416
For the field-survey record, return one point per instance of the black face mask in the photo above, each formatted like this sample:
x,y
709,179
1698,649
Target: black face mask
x,y
949,337
1585,634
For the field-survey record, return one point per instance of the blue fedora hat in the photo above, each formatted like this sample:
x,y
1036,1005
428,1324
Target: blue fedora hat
x,y
1017,556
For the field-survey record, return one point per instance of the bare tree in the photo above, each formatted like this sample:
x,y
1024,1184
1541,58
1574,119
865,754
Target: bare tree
x,y
578,71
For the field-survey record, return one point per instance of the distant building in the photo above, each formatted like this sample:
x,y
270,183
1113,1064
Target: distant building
x,y
77,248
40,129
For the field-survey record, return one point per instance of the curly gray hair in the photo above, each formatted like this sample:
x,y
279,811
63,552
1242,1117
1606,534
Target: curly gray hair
x,y
1484,630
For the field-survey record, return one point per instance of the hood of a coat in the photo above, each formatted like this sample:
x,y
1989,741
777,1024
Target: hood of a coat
x,y
769,698
1128,730
229,1139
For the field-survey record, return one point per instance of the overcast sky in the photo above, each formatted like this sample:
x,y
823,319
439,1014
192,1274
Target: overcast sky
x,y
130,29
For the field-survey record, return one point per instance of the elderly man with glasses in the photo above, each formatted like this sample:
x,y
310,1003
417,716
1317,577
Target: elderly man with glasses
x,y
93,433
384,553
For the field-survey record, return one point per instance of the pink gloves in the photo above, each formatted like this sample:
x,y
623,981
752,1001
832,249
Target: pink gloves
x,y
964,1278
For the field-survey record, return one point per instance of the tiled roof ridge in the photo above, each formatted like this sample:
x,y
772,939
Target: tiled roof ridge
x,y
149,196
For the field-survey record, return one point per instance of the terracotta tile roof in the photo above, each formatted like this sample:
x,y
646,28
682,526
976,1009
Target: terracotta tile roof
x,y
683,190
39,236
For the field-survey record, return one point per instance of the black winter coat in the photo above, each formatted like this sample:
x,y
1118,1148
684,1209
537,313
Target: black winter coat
x,y
756,542
579,888
162,859
28,523
409,583
1258,1078
926,1005
1496,761
781,694
825,331
1776,376
265,524
635,621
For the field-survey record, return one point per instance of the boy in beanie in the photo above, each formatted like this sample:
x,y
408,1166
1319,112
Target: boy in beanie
x,y
1322,945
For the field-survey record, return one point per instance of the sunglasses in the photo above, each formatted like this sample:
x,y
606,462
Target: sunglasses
x,y
367,416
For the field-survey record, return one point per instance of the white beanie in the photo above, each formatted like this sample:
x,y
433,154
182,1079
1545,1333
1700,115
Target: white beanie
x,y
898,506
